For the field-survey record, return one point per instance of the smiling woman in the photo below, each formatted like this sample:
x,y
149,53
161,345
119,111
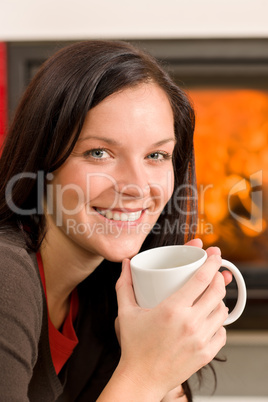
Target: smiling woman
x,y
122,183
99,156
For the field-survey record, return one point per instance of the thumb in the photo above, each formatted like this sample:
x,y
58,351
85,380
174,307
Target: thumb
x,y
117,330
124,289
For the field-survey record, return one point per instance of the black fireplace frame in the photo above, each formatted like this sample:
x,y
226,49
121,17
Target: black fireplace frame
x,y
192,63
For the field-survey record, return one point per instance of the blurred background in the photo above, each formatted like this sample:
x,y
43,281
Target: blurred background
x,y
218,52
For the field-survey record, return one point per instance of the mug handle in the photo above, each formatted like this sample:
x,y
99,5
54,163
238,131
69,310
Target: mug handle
x,y
242,293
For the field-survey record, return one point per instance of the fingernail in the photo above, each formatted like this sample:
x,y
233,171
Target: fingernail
x,y
217,249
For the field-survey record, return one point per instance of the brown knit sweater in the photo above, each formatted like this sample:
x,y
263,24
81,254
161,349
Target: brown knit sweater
x,y
27,372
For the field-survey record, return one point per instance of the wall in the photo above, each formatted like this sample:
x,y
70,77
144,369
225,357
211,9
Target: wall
x,y
244,374
83,19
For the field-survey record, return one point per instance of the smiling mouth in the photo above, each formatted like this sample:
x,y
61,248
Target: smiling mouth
x,y
120,216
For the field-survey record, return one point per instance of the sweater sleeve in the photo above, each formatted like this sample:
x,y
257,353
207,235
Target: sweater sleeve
x,y
20,322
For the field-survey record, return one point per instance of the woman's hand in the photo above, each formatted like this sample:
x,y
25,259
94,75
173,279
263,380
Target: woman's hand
x,y
175,395
164,346
212,250
195,243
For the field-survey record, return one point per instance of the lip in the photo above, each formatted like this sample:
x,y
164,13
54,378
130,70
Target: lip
x,y
127,210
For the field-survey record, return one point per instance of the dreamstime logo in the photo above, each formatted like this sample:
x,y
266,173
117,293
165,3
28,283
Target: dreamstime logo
x,y
255,211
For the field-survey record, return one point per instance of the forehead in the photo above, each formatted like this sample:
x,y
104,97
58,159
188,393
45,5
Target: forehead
x,y
142,107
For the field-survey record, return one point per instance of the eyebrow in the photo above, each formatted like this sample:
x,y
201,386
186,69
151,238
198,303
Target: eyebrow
x,y
111,141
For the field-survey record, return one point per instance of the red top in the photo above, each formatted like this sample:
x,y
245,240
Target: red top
x,y
62,343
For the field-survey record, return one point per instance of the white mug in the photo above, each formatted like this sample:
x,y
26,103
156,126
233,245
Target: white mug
x,y
159,272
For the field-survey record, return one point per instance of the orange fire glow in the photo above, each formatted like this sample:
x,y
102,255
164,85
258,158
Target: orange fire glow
x,y
231,145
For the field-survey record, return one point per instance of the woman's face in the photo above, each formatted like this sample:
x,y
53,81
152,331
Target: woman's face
x,y
110,191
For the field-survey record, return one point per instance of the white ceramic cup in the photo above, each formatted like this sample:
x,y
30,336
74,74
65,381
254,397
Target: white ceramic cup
x,y
159,272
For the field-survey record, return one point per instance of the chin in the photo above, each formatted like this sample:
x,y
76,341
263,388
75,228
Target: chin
x,y
118,255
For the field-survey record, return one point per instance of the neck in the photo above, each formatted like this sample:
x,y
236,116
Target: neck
x,y
65,266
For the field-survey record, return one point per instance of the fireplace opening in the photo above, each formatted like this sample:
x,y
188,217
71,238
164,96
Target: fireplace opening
x,y
227,81
231,144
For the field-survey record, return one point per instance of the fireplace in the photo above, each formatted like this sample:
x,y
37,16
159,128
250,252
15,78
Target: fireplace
x,y
227,81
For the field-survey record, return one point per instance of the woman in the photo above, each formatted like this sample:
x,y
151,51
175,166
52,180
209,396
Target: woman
x,y
98,164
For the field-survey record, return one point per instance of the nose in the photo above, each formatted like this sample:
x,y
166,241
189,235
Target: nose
x,y
133,181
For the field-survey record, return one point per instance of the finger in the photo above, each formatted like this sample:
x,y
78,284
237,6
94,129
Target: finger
x,y
124,289
228,277
213,323
211,298
218,340
202,278
213,250
209,346
227,274
195,243
218,316
117,330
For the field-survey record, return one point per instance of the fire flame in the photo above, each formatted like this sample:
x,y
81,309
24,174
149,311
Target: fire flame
x,y
231,146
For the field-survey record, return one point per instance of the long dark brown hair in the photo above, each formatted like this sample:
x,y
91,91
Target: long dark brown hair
x,y
51,114
49,119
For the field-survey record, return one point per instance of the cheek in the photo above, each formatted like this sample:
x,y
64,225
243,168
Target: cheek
x,y
166,186
162,190
100,190
64,200
72,192
65,192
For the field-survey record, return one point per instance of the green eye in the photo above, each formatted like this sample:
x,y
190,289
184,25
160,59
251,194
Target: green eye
x,y
97,153
156,155
159,156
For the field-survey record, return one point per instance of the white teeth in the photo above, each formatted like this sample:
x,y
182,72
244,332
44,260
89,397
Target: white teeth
x,y
116,217
124,217
133,216
108,214
120,216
